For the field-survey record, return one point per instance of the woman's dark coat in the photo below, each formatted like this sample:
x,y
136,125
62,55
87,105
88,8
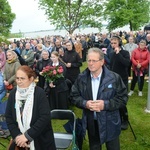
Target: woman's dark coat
x,y
41,130
58,95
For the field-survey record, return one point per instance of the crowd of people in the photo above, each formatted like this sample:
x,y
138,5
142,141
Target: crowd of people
x,y
101,90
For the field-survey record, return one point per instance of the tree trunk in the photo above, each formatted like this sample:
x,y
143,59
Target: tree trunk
x,y
130,24
71,31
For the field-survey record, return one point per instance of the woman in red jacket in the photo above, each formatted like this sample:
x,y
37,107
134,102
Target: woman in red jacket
x,y
139,60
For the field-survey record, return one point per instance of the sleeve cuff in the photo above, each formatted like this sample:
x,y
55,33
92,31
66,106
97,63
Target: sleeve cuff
x,y
28,137
84,103
106,105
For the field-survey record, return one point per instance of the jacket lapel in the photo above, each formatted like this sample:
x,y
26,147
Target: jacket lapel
x,y
89,89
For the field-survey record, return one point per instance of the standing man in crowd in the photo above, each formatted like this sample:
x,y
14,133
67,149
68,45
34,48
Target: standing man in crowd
x,y
100,93
130,47
106,41
28,55
119,63
57,46
84,48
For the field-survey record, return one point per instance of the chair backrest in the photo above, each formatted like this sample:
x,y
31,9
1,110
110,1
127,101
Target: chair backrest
x,y
64,115
64,139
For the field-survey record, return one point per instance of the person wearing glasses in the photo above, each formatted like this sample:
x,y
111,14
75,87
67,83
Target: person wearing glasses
x,y
100,93
11,66
28,114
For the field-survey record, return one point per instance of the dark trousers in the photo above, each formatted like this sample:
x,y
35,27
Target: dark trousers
x,y
94,141
129,69
123,110
135,80
84,51
123,114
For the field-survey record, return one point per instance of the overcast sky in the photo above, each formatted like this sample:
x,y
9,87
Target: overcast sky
x,y
28,16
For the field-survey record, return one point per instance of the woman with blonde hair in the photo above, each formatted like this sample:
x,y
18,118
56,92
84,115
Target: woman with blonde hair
x,y
78,47
11,66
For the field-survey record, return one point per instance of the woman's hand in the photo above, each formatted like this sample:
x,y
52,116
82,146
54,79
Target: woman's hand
x,y
41,73
51,85
139,66
68,65
21,141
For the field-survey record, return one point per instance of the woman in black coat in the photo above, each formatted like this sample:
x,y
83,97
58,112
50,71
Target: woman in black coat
x,y
28,114
39,67
73,62
58,91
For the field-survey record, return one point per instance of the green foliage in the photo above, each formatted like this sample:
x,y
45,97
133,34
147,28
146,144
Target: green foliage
x,y
2,39
127,12
6,18
72,14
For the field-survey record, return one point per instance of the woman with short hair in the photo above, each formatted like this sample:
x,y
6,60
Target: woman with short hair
x,y
140,62
40,66
28,114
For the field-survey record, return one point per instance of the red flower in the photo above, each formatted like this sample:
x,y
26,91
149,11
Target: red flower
x,y
52,73
60,70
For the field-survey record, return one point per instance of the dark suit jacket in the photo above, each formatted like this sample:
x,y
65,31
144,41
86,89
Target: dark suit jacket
x,y
106,42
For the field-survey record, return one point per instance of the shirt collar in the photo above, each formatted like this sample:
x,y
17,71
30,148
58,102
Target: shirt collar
x,y
99,76
55,64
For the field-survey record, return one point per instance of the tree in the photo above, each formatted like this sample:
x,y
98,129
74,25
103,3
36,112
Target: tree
x,y
72,14
134,13
6,18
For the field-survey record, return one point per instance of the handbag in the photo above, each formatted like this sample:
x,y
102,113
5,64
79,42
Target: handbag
x,y
9,87
12,146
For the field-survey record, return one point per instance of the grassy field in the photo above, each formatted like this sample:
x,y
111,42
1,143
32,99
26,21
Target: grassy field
x,y
139,120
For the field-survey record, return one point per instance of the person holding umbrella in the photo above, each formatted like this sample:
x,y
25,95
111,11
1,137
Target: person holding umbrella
x,y
140,62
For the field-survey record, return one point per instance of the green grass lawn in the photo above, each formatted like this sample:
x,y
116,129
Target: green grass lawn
x,y
139,120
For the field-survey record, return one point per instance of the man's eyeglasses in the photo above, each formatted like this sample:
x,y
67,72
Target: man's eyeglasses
x,y
114,43
20,78
93,61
